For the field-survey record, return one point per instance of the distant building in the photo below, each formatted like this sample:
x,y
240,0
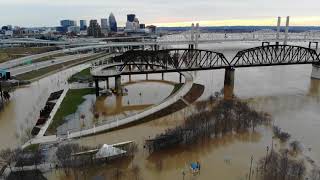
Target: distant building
x,y
152,29
131,17
4,28
113,23
65,24
104,26
8,33
83,25
74,29
94,29
9,27
142,26
132,24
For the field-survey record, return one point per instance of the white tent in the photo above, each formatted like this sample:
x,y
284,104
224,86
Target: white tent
x,y
109,151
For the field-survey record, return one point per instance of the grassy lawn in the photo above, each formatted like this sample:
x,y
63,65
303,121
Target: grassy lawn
x,y
32,147
69,105
7,54
44,71
82,75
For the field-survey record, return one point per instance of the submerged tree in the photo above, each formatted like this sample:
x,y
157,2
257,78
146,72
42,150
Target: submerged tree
x,y
279,166
224,117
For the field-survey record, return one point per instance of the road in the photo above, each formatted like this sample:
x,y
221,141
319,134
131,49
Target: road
x,y
35,66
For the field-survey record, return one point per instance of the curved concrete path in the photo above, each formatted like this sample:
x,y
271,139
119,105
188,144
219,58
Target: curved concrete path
x,y
186,87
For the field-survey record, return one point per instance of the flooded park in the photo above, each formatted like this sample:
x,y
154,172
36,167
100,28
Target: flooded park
x,y
287,94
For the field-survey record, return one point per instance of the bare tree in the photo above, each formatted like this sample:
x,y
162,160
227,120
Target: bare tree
x,y
136,172
10,155
7,156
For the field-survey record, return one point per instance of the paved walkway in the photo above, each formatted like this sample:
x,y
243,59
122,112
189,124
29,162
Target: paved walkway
x,y
42,167
40,138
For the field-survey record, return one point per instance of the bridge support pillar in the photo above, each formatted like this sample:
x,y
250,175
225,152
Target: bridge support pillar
x,y
117,85
162,76
180,77
96,82
147,77
107,83
315,71
228,83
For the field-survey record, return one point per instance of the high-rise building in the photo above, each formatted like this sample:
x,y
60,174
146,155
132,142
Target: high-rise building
x,y
74,29
104,26
132,24
94,29
83,25
142,26
131,17
113,23
152,29
67,23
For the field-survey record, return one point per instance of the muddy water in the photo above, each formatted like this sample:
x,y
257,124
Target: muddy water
x,y
286,92
140,94
24,108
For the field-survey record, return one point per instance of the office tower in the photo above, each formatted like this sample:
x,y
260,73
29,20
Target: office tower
x,y
142,26
94,29
67,23
131,17
104,26
83,25
113,23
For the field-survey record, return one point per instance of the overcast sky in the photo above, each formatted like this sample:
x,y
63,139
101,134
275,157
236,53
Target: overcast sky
x,y
161,12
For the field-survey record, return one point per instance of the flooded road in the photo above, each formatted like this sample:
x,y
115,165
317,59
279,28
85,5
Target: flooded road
x,y
286,92
22,111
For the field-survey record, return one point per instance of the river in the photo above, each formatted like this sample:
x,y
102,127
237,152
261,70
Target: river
x,y
286,92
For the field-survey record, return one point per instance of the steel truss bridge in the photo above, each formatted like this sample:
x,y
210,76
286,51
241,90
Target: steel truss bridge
x,y
179,60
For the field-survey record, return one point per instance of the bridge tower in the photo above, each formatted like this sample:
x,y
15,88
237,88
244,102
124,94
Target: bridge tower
x,y
228,83
191,45
286,35
278,30
197,33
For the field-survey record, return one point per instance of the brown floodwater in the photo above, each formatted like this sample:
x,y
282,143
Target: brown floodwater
x,y
140,94
24,107
286,92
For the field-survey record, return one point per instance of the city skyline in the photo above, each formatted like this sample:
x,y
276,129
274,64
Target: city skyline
x,y
161,12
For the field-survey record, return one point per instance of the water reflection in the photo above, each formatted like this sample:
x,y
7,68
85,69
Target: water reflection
x,y
314,88
24,108
140,95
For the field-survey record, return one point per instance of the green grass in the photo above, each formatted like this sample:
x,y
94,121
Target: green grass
x,y
32,147
7,54
82,75
69,105
44,71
